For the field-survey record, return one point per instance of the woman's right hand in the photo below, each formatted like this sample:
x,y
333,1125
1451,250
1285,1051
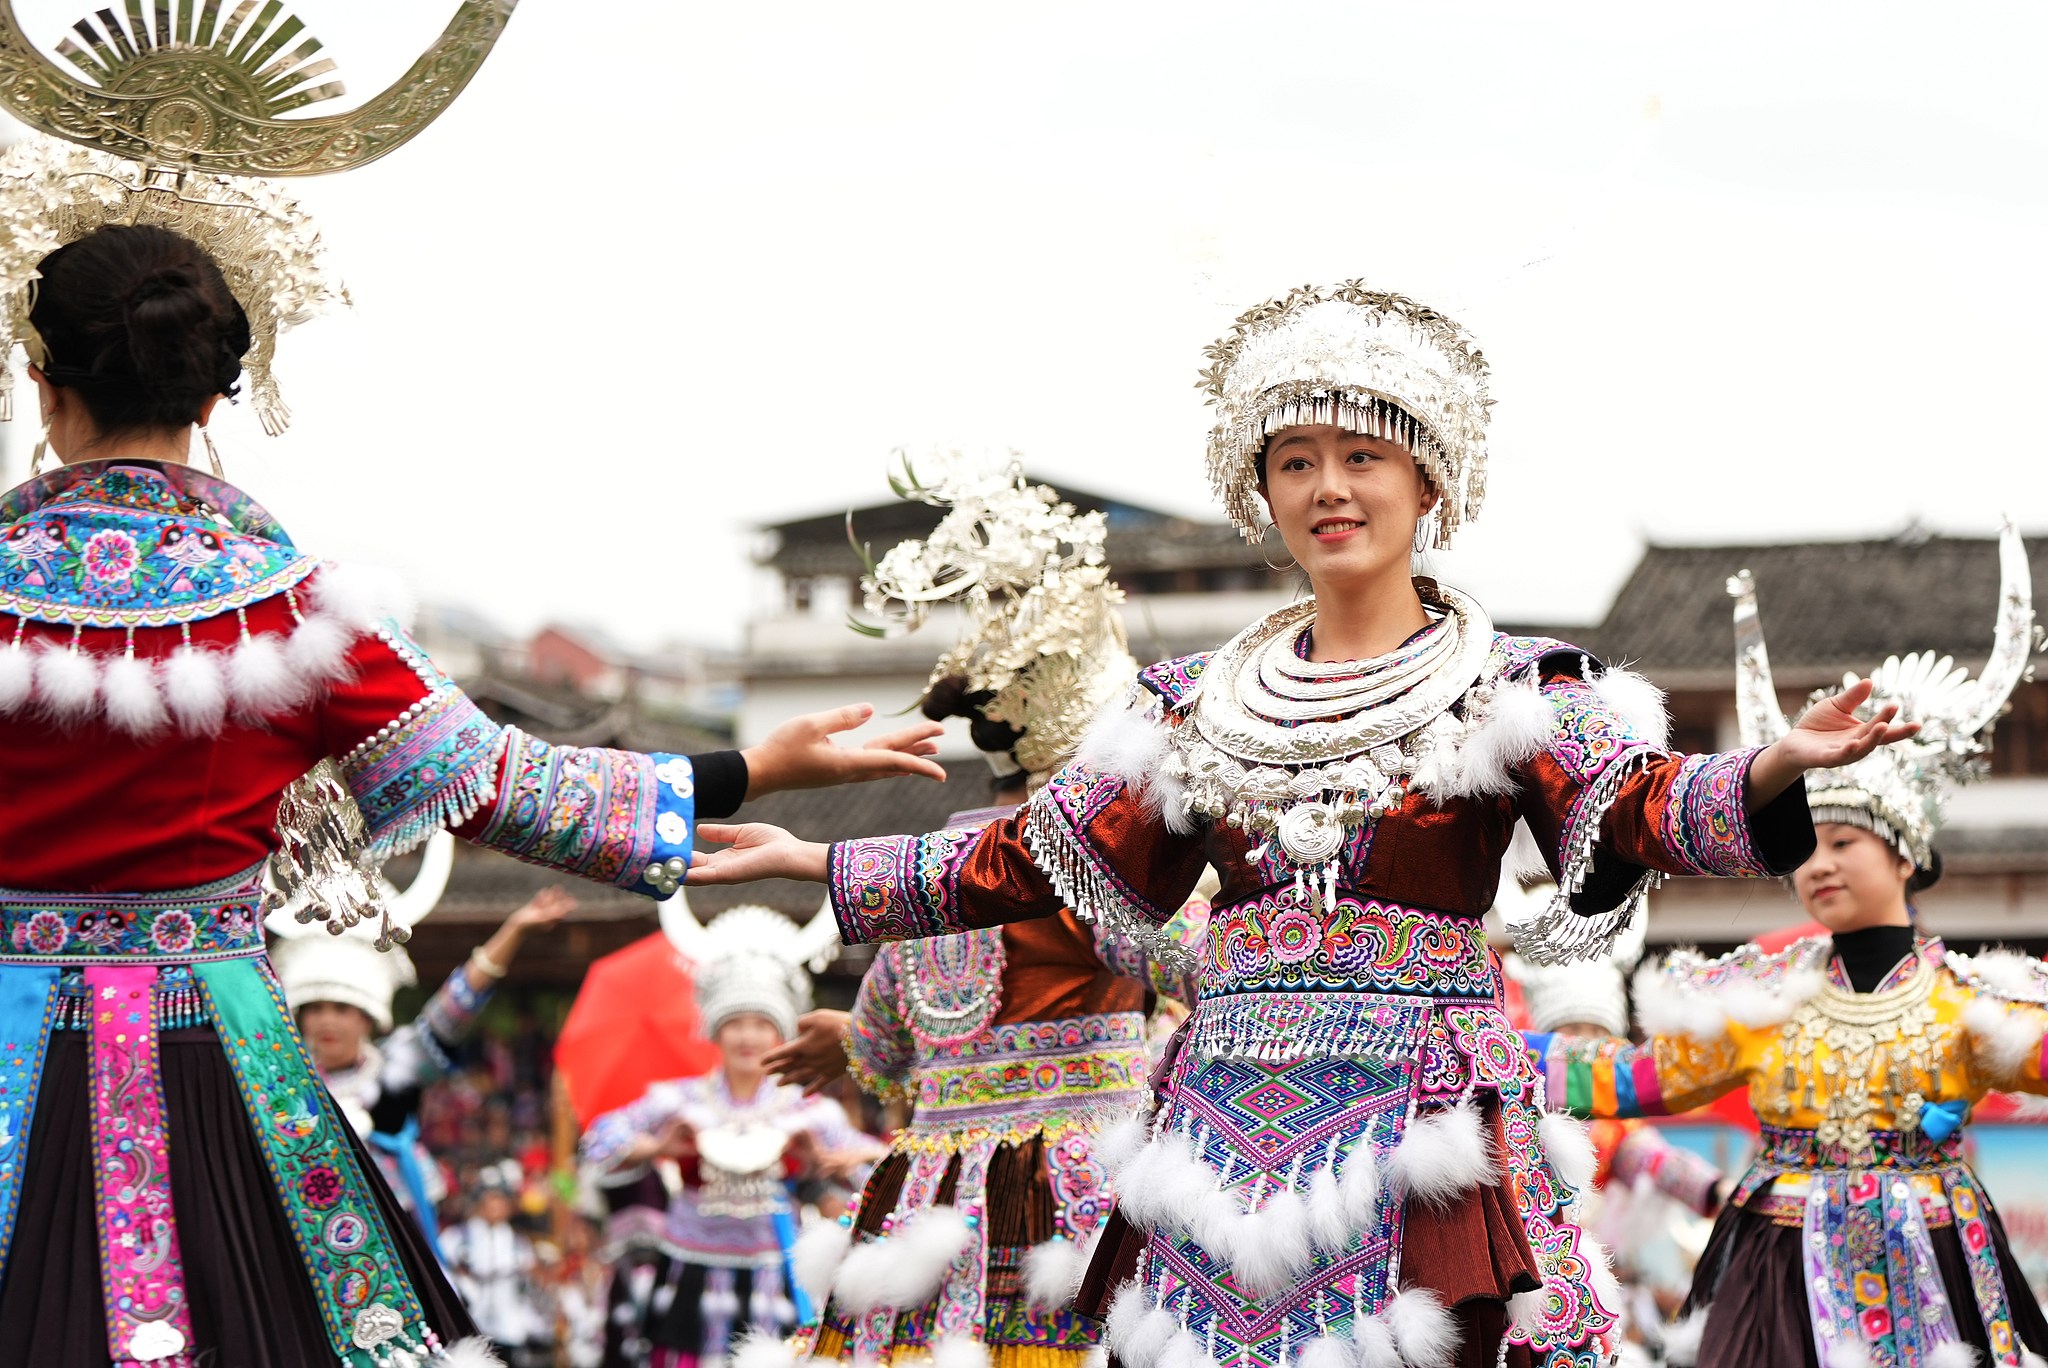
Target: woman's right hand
x,y
816,1056
757,851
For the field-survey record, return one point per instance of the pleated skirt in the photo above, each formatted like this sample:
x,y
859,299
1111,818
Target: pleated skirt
x,y
251,1300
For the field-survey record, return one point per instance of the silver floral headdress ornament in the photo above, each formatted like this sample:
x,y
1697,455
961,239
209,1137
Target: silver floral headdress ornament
x,y
1362,359
1044,636
171,120
1899,791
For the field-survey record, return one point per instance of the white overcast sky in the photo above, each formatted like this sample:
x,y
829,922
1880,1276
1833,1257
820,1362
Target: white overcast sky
x,y
670,270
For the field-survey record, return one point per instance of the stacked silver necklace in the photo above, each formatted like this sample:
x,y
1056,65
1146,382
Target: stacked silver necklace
x,y
1305,753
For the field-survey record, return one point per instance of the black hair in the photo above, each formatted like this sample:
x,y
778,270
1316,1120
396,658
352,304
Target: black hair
x,y
141,324
951,697
1923,879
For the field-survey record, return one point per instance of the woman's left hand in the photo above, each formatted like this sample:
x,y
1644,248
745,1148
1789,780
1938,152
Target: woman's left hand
x,y
1828,736
800,754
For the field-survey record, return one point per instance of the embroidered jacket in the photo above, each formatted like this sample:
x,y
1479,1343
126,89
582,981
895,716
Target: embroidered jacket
x,y
1391,976
1862,1097
170,662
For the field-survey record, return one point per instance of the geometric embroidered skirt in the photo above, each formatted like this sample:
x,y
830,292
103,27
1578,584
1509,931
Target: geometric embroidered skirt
x,y
251,1304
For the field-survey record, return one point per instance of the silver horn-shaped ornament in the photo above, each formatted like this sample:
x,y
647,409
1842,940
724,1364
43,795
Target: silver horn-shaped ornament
x,y
813,945
1756,698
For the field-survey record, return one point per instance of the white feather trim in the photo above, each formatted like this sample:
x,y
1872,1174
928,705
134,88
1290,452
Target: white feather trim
x,y
2030,1359
1126,742
1217,1226
1425,1332
67,682
1098,1357
1273,1245
959,1351
2008,973
1053,1272
1150,1334
17,678
1184,1185
1525,1309
1569,1149
1359,1187
902,1270
1849,1354
1119,1142
1759,1008
1954,1354
1600,1271
1518,725
361,596
816,1257
259,680
1126,1308
760,1349
1442,1155
1636,701
2005,1037
1184,1351
1374,1343
1524,862
1326,1351
1682,1339
1666,1009
134,704
196,689
317,649
474,1352
1328,1229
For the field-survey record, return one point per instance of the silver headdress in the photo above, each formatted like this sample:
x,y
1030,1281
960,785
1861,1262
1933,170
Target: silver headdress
x,y
1899,791
174,113
1044,634
751,959
1365,360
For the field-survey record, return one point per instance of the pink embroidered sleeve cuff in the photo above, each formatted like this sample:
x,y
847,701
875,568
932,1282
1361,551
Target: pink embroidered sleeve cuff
x,y
891,888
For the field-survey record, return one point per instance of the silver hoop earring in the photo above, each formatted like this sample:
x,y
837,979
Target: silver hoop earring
x,y
1423,535
212,453
1276,569
35,462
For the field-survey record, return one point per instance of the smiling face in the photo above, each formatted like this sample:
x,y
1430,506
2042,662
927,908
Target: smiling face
x,y
744,1037
1345,505
1853,879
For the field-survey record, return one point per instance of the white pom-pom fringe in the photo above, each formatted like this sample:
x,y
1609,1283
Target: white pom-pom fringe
x,y
1118,1143
1144,1344
1053,1272
317,648
2008,973
1442,1155
1359,1187
1328,1229
760,1349
1682,1339
1426,1333
474,1352
1326,1351
1374,1343
2030,1359
1273,1245
1098,1357
1126,742
1517,727
259,680
361,596
1166,1185
1638,702
1126,1308
196,689
1954,1354
134,704
1849,1354
2005,1037
17,678
959,1351
1569,1149
903,1270
1760,1008
816,1257
67,682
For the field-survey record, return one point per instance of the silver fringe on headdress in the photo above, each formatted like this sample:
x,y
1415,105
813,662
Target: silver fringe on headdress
x,y
1366,361
1900,791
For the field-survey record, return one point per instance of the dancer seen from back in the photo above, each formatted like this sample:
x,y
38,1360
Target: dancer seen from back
x,y
176,1188
1013,1044
737,1139
1349,1164
1859,1237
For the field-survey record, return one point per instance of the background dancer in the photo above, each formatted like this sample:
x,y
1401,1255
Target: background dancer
x,y
1349,1162
1859,1237
1013,1044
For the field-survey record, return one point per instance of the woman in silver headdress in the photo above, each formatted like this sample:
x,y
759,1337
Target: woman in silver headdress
x,y
1350,1164
1859,1237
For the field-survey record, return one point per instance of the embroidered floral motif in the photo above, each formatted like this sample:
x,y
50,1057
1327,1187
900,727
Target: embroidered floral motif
x,y
1175,681
215,921
431,767
887,888
1027,1078
44,933
1272,943
109,557
582,809
28,996
174,932
1590,736
1705,821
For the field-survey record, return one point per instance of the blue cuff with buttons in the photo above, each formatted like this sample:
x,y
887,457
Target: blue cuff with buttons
x,y
675,822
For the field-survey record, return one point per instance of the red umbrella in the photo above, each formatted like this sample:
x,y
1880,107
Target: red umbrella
x,y
634,1022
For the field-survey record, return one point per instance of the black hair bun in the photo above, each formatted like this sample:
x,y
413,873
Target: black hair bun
x,y
951,697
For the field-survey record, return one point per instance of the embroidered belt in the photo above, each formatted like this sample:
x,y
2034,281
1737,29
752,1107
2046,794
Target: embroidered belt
x,y
1786,1149
220,920
1786,1201
1013,1078
1275,943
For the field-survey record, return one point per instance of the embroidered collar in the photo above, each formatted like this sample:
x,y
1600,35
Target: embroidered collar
x,y
1928,950
122,544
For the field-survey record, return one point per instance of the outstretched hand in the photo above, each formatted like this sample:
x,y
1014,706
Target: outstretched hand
x,y
1828,736
816,1056
800,754
756,851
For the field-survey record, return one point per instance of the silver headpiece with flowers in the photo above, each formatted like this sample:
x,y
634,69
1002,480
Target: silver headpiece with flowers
x,y
1899,791
750,959
168,120
1365,360
1044,634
